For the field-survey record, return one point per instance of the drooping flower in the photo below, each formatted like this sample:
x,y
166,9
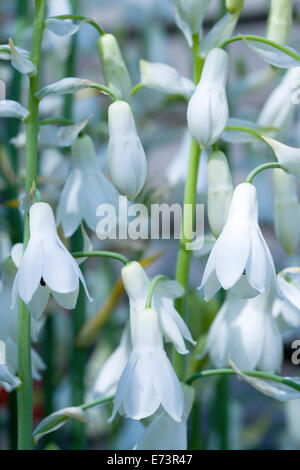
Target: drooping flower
x,y
163,433
246,330
207,112
148,380
288,157
126,159
240,258
46,265
86,187
136,283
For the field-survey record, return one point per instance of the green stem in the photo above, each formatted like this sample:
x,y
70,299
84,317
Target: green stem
x,y
25,394
103,254
258,169
151,288
190,195
136,88
80,18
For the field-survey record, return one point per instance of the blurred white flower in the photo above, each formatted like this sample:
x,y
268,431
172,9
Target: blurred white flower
x,y
86,187
240,258
136,283
289,305
288,157
189,15
126,159
46,266
247,331
207,112
148,379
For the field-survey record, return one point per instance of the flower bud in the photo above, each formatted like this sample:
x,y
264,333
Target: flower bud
x,y
220,191
207,112
280,21
126,158
234,5
189,15
286,210
114,69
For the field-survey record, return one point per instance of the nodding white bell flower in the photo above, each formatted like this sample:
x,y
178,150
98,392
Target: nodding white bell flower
x,y
279,107
286,210
136,283
247,331
111,371
207,112
46,265
288,157
148,380
280,21
126,159
288,306
220,191
189,15
86,187
240,259
163,433
113,66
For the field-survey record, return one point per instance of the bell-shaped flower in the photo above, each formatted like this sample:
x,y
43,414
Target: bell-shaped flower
x,y
126,159
85,189
288,157
280,21
163,433
240,258
207,112
136,283
286,210
148,380
46,265
113,66
111,371
219,191
189,15
246,331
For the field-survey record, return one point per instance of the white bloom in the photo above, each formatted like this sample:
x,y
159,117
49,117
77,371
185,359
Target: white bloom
x,y
247,331
207,112
289,305
220,190
113,66
46,265
163,433
111,371
288,157
148,379
126,159
280,21
240,258
286,210
86,187
10,108
189,15
136,283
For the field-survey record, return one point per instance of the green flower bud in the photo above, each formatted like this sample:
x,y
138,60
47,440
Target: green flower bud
x,y
280,21
234,5
286,210
220,191
114,69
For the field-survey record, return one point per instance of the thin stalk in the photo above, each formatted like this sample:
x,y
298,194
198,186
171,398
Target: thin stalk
x,y
190,194
25,394
258,169
103,254
81,18
152,286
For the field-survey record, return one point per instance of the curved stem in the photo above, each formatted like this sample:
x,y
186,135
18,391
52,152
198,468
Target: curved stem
x,y
152,286
258,169
58,121
79,18
24,341
103,254
137,88
251,373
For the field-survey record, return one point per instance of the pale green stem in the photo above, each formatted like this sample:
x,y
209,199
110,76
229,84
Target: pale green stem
x,y
258,169
103,254
151,288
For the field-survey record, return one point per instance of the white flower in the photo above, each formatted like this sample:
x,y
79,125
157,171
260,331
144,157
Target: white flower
x,y
247,331
111,371
220,190
136,283
289,305
113,66
207,112
46,265
163,433
126,158
148,379
240,258
189,15
286,210
86,187
288,157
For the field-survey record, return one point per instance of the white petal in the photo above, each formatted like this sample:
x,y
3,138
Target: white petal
x,y
62,27
20,61
17,254
62,136
68,210
123,384
273,55
30,271
272,354
65,86
39,302
68,300
257,267
13,109
170,289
